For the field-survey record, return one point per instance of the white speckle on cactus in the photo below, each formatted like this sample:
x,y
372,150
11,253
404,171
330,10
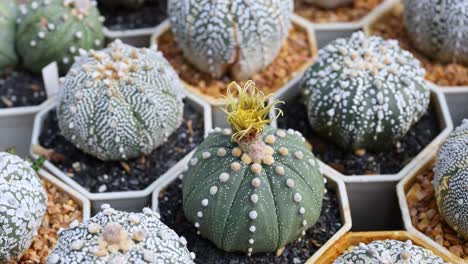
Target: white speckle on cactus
x,y
256,182
253,215
235,166
281,133
270,139
290,183
236,152
297,197
302,210
213,190
206,155
246,159
223,177
221,152
254,198
268,160
24,203
299,155
205,202
252,229
283,151
279,170
256,168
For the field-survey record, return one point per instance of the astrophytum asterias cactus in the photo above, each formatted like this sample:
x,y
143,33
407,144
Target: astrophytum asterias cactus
x,y
253,188
23,203
439,28
450,180
55,30
329,3
120,103
364,92
391,252
128,4
7,34
237,36
115,237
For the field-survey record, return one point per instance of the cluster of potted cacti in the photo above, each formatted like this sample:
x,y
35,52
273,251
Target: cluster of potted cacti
x,y
242,137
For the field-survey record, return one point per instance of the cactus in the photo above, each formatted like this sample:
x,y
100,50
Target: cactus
x,y
120,103
127,4
253,188
23,203
450,178
438,28
389,251
55,30
7,34
118,237
237,36
364,92
329,3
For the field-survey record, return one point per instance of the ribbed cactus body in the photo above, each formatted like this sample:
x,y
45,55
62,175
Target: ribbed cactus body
x,y
120,102
450,179
248,205
119,238
236,36
389,251
55,30
329,3
23,203
364,92
128,4
439,28
7,34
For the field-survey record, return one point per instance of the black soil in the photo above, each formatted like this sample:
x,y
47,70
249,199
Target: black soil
x,y
388,162
136,174
21,88
170,206
151,14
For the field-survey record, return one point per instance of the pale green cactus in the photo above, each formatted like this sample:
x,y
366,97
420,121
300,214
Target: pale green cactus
x,y
8,56
120,103
115,237
237,36
23,203
364,92
389,251
450,178
253,188
55,30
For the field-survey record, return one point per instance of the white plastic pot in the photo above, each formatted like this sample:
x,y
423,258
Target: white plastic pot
x,y
219,117
333,182
125,200
135,37
457,100
377,193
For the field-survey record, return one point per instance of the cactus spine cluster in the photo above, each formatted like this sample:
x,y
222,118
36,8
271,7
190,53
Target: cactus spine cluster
x,y
7,34
450,178
118,237
439,28
23,203
55,30
127,4
389,251
252,188
364,92
237,36
329,3
120,103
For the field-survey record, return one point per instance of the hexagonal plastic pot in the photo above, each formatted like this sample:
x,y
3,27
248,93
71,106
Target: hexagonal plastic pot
x,y
219,117
135,37
402,189
333,182
457,99
124,200
326,32
381,188
354,238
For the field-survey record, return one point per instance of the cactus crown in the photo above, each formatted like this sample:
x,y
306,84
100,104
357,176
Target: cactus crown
x,y
248,111
389,251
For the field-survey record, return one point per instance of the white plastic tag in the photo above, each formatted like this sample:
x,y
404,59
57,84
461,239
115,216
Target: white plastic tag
x,y
51,79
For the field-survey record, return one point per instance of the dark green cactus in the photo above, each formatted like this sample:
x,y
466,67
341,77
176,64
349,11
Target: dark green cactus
x,y
8,56
364,92
128,4
439,28
236,36
55,30
450,179
389,251
256,188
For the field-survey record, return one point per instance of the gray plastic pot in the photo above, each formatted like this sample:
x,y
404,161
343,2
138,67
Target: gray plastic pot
x,y
457,100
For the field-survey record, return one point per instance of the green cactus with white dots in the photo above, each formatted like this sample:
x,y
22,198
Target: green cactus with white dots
x,y
55,30
240,37
253,188
23,203
364,92
8,56
115,237
120,102
389,251
450,178
438,28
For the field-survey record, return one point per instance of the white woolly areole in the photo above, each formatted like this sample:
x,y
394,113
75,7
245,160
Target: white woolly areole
x,y
240,36
363,91
120,102
23,203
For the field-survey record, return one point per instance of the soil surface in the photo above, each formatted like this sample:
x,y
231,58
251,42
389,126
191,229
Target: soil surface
x,y
21,88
